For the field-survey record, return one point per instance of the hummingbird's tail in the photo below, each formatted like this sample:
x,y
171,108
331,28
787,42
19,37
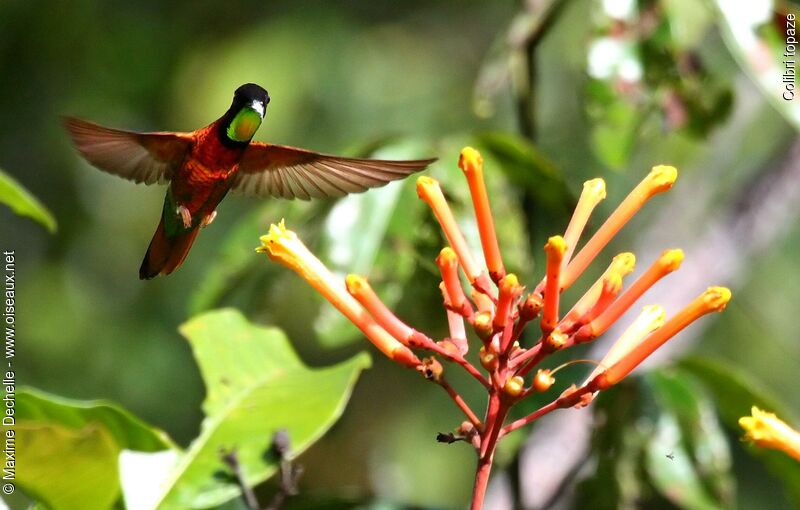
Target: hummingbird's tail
x,y
165,254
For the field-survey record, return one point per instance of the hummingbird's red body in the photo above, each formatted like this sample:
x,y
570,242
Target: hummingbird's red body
x,y
202,166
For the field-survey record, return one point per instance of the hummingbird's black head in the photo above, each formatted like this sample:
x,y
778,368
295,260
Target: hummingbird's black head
x,y
251,95
244,116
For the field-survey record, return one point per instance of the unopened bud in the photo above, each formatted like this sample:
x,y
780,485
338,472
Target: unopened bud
x,y
482,322
530,308
555,341
488,360
543,380
514,386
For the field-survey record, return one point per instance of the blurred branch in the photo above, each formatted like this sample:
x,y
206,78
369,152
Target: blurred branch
x,y
526,32
289,474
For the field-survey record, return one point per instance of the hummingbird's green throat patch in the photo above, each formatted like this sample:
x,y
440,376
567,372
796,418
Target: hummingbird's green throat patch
x,y
244,125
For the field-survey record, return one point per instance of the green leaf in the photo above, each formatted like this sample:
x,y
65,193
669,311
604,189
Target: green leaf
x,y
128,431
734,394
675,476
256,385
86,439
68,468
700,462
615,133
15,196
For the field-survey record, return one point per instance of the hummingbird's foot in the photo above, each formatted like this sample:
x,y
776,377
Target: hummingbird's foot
x,y
185,215
208,220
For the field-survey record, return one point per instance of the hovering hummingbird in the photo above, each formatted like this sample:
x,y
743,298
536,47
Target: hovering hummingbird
x,y
202,166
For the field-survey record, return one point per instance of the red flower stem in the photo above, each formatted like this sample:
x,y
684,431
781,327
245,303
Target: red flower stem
x,y
564,401
532,362
481,482
471,416
495,416
520,359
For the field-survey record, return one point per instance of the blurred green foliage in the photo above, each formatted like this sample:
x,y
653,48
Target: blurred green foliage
x,y
395,80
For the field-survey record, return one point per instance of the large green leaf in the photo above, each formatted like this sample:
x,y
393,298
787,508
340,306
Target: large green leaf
x,y
256,385
68,468
68,450
734,393
14,195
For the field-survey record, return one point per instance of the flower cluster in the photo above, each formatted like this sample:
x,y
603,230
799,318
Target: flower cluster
x,y
498,308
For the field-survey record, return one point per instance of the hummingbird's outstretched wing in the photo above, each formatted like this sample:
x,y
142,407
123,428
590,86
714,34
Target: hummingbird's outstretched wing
x,y
140,157
289,172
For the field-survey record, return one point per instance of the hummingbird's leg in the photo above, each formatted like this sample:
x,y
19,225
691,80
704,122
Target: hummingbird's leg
x,y
208,220
185,215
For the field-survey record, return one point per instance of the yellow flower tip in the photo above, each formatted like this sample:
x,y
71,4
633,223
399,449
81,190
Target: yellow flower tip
x,y
716,299
596,188
624,263
543,380
510,284
277,235
514,386
447,258
661,178
470,160
356,284
653,317
556,246
671,260
425,185
768,431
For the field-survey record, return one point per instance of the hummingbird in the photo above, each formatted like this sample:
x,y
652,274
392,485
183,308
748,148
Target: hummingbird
x,y
202,166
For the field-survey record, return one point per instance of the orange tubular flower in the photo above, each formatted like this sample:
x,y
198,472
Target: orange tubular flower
x,y
714,299
429,190
555,249
766,430
471,162
359,288
623,265
668,262
448,266
612,284
283,246
593,192
510,290
651,319
455,323
660,179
